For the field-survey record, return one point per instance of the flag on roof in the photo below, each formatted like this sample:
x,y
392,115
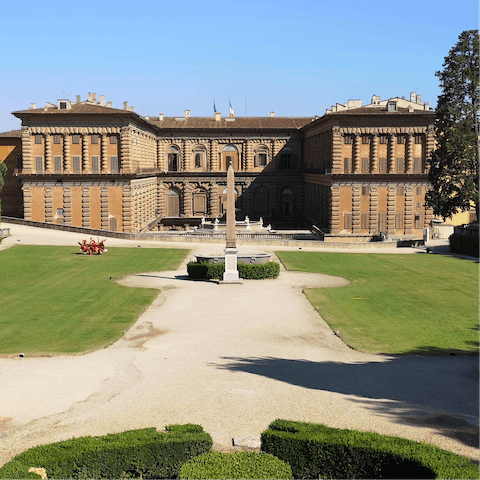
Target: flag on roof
x,y
232,113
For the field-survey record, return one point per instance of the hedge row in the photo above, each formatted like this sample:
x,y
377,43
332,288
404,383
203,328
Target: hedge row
x,y
214,271
143,453
235,465
464,244
316,451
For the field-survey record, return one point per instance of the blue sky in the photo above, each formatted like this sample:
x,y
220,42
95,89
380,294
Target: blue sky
x,y
295,58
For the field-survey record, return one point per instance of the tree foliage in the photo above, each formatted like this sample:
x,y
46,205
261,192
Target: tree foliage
x,y
3,170
454,163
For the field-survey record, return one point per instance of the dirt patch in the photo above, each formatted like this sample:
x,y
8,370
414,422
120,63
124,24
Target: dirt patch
x,y
141,333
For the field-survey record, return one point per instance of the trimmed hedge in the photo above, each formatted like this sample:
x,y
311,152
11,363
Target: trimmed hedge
x,y
464,244
235,465
143,453
317,451
215,271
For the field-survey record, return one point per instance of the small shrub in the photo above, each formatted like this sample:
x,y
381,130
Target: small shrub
x,y
143,453
464,244
317,451
215,271
235,465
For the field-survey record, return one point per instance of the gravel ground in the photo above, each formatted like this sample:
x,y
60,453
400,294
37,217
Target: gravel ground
x,y
232,358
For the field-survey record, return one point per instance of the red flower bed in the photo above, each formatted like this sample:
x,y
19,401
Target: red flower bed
x,y
92,247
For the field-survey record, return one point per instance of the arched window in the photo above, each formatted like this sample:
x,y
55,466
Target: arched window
x,y
173,159
261,156
173,203
287,202
200,158
286,156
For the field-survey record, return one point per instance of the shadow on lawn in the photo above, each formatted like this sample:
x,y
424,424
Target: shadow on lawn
x,y
411,389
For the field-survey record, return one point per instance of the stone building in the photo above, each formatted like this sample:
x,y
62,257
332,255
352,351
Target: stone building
x,y
354,171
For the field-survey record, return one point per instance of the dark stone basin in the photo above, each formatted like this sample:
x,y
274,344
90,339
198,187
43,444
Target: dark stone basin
x,y
251,258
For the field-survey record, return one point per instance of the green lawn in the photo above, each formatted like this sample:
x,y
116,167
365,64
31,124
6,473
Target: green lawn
x,y
54,300
397,304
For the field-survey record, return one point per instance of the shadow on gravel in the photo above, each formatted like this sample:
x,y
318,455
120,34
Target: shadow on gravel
x,y
397,386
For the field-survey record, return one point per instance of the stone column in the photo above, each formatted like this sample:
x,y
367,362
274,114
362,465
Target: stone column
x,y
187,199
27,202
249,156
391,203
160,155
86,206
392,165
104,207
187,156
214,167
27,151
85,156
373,208
335,227
357,161
48,154
409,210
127,209
375,153
126,150
337,166
214,207
67,163
409,153
67,204
104,153
48,204
356,193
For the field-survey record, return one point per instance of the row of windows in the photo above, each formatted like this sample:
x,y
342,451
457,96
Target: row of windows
x,y
383,165
383,139
400,191
382,221
76,164
57,139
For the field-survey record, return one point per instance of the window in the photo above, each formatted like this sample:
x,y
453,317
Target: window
x,y
112,224
114,164
95,164
39,164
75,139
418,139
418,190
364,221
63,105
38,139
366,140
382,222
76,165
19,161
399,221
173,162
401,139
287,161
56,139
348,139
383,139
365,165
57,164
401,191
94,139
417,165
347,221
418,221
200,158
382,165
113,140
347,165
392,106
261,157
400,164
418,205
472,216
365,190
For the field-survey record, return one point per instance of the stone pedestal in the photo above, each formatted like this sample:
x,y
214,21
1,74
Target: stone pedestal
x,y
231,272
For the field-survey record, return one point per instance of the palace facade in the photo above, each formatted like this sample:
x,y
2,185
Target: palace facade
x,y
354,171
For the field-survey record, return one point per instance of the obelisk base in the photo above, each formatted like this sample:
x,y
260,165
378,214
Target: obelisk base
x,y
231,272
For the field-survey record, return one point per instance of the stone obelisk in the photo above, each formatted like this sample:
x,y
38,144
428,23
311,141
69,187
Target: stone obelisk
x,y
231,272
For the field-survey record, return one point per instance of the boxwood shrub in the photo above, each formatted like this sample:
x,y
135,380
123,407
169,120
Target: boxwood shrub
x,y
317,451
215,271
235,465
464,244
143,453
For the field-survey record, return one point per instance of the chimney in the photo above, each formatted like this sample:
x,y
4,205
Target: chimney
x,y
419,99
375,99
109,104
102,100
90,97
94,97
160,117
426,106
79,98
125,105
187,113
33,106
218,116
412,97
272,114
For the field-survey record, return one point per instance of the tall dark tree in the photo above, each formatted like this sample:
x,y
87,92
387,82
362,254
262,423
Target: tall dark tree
x,y
454,163
3,170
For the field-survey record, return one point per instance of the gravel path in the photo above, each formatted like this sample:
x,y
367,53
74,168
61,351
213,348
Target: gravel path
x,y
232,358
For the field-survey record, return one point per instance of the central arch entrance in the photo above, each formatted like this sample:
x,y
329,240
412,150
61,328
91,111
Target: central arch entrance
x,y
229,155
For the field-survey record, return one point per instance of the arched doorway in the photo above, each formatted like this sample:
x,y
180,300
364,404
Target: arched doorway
x,y
173,203
287,202
229,155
